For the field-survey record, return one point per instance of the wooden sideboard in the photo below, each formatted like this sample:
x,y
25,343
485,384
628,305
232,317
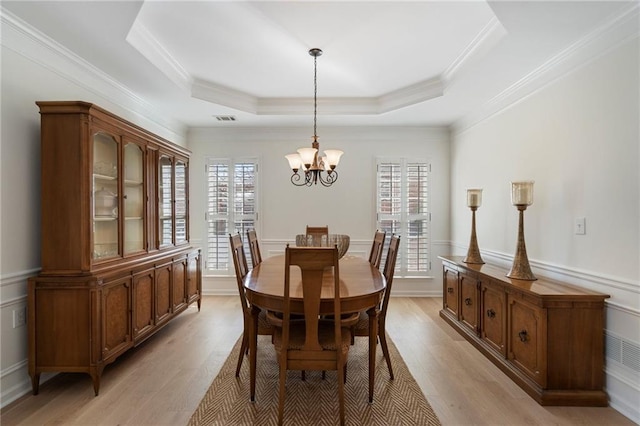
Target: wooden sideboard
x,y
548,337
116,260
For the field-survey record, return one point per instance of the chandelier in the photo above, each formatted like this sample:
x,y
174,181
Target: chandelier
x,y
316,169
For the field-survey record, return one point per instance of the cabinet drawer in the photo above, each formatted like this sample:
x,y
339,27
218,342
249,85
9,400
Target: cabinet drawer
x,y
527,330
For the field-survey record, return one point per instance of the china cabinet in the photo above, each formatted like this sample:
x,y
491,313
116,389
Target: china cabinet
x,y
116,260
546,336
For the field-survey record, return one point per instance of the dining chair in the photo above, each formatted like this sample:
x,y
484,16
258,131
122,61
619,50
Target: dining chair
x,y
375,256
254,247
361,328
312,343
316,233
242,269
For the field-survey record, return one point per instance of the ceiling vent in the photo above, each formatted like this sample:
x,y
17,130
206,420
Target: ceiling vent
x,y
225,117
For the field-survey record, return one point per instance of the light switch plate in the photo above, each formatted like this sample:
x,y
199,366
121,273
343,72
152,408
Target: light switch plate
x,y
580,226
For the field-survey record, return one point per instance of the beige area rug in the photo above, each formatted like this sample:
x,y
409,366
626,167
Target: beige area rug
x,y
315,401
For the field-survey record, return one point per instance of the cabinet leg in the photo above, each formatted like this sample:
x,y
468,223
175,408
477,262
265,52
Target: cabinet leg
x,y
95,374
96,382
35,383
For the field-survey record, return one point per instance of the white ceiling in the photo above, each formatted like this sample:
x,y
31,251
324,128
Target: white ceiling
x,y
415,63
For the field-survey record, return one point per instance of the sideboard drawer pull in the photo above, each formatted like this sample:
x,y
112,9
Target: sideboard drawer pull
x,y
450,290
523,335
491,313
467,301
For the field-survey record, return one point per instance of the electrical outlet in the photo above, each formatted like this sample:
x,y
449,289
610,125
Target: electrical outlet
x,y
580,226
19,317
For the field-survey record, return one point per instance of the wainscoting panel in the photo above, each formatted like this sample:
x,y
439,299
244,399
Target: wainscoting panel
x,y
14,377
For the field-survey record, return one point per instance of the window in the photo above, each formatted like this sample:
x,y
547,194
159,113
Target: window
x,y
402,207
231,208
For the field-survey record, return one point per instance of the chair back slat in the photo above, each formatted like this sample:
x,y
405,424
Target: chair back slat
x,y
254,247
241,267
389,270
375,256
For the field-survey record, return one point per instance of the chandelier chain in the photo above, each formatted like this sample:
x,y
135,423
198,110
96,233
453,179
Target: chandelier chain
x,y
315,95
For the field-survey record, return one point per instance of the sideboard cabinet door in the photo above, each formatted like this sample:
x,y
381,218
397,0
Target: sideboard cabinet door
x,y
493,318
468,285
450,291
527,330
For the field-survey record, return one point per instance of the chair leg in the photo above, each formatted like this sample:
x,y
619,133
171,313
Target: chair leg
x,y
303,376
283,378
341,380
385,350
243,348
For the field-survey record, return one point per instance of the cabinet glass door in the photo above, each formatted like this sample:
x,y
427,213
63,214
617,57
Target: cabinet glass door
x,y
181,202
133,200
165,200
105,196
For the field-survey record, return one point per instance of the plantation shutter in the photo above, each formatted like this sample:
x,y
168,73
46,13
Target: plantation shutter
x,y
402,208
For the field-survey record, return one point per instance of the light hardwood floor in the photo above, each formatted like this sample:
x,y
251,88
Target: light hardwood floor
x,y
162,381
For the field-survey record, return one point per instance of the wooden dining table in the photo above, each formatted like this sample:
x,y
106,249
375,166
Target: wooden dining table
x,y
361,288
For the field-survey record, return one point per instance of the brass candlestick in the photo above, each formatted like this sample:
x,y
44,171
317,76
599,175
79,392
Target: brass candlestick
x,y
474,200
521,197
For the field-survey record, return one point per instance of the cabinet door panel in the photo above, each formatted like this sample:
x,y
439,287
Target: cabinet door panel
x,y
527,345
163,293
134,200
450,296
493,322
193,274
116,306
143,315
105,196
469,301
179,285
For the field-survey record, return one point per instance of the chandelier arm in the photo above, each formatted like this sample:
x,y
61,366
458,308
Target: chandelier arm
x,y
295,179
329,179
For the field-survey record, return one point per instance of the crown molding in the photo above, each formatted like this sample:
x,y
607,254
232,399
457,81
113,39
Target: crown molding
x,y
486,39
411,95
144,42
616,31
40,49
223,95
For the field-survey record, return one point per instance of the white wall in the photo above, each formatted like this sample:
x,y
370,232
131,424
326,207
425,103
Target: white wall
x,y
348,207
578,139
